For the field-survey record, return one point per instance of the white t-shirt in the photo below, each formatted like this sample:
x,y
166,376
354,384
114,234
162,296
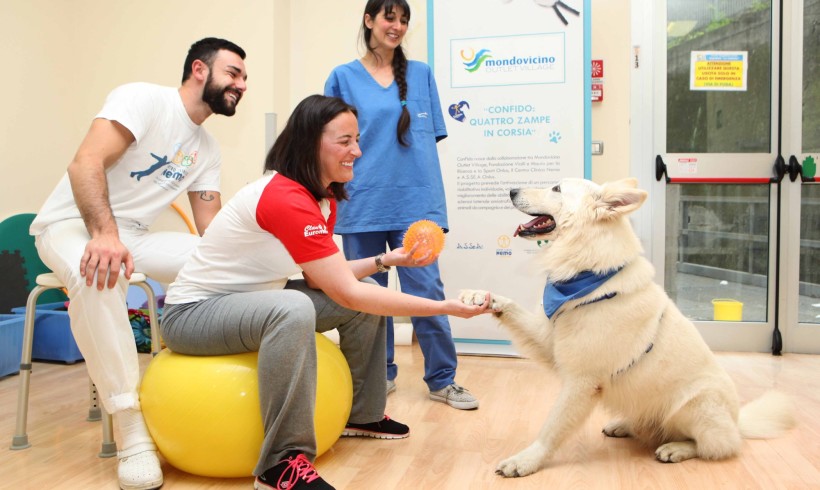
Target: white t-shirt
x,y
170,155
257,240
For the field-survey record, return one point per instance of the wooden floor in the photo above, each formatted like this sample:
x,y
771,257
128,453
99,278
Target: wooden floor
x,y
448,448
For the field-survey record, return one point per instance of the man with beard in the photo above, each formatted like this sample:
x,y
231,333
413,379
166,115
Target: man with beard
x,y
144,149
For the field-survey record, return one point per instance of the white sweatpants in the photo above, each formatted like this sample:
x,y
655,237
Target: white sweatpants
x,y
99,319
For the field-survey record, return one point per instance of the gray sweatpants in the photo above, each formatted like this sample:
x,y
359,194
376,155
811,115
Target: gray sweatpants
x,y
280,325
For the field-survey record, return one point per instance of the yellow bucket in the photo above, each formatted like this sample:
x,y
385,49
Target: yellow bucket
x,y
728,310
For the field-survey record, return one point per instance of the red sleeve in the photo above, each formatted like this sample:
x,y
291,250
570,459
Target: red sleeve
x,y
331,222
291,214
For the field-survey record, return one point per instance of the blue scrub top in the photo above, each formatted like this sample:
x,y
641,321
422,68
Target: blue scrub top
x,y
393,185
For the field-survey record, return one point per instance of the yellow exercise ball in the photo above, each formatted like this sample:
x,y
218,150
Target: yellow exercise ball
x,y
203,411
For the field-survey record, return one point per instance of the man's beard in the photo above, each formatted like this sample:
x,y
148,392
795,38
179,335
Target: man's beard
x,y
214,96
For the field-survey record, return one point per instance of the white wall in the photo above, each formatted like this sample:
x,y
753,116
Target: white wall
x,y
610,118
62,58
330,37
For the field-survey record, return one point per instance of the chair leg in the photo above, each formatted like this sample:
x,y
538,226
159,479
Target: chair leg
x,y
97,412
94,411
20,439
109,446
156,340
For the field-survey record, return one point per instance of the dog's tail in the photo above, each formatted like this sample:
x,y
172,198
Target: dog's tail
x,y
767,417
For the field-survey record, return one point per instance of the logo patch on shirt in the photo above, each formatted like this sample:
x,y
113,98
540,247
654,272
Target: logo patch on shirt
x,y
177,169
311,230
169,173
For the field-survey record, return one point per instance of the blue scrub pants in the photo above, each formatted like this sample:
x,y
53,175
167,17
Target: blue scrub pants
x,y
432,332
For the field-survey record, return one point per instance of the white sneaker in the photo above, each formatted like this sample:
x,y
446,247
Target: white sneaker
x,y
140,471
391,386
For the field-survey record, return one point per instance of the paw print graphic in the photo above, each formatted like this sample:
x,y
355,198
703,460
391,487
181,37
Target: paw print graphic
x,y
555,136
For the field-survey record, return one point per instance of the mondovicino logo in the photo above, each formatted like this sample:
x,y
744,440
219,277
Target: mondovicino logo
x,y
473,60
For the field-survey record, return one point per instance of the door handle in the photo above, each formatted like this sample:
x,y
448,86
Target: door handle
x,y
794,168
660,169
780,169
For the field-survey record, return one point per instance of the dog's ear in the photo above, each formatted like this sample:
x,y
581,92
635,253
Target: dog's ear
x,y
620,198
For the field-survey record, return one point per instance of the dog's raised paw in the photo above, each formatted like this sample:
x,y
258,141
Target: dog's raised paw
x,y
675,452
472,297
476,297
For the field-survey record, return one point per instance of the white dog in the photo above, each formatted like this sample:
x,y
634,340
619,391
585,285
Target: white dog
x,y
616,338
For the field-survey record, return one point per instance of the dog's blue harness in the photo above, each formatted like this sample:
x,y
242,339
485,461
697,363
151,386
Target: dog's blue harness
x,y
556,294
623,369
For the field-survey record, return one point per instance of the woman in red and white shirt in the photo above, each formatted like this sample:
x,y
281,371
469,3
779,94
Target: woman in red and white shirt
x,y
236,293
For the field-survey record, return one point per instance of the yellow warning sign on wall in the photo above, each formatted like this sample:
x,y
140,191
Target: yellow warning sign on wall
x,y
718,70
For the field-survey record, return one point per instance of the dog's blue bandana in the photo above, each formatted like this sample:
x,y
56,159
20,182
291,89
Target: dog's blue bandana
x,y
558,293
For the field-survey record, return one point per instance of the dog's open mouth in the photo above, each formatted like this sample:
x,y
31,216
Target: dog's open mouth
x,y
541,225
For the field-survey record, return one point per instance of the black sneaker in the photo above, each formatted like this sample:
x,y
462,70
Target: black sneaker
x,y
293,473
386,428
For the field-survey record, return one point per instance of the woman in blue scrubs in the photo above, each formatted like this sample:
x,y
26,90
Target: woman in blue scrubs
x,y
398,179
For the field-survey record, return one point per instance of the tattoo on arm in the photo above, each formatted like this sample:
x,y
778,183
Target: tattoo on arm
x,y
206,196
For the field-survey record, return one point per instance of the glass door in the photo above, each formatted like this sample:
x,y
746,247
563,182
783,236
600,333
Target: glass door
x,y
716,144
735,211
801,252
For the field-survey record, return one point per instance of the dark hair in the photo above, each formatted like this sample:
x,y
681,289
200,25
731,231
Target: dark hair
x,y
205,50
372,9
291,154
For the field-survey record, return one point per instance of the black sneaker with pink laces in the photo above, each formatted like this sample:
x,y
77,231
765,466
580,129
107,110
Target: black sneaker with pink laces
x,y
292,473
385,428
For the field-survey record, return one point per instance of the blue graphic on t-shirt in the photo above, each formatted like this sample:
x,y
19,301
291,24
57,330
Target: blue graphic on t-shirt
x,y
161,162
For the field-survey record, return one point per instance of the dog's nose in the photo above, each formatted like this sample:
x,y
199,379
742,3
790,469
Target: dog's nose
x,y
513,193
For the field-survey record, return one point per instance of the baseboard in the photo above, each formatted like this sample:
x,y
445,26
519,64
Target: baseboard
x,y
402,333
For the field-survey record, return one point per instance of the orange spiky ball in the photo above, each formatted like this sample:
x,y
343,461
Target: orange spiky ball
x,y
428,235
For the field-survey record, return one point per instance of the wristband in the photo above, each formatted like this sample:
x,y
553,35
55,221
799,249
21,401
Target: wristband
x,y
379,266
